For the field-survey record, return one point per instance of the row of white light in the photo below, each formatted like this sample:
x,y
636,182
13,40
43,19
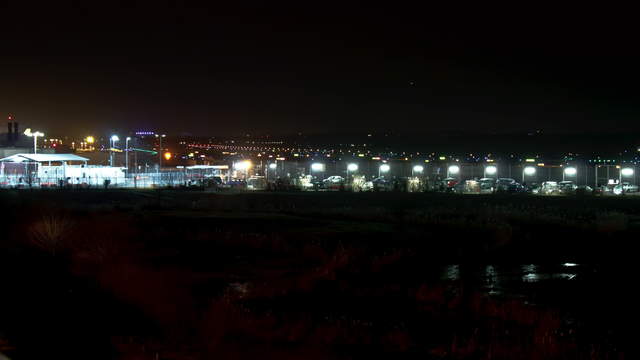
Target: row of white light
x,y
455,169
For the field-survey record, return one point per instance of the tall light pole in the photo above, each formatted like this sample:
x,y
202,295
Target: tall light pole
x,y
490,170
35,136
113,140
126,153
416,169
528,171
453,170
625,172
570,171
351,168
160,150
384,168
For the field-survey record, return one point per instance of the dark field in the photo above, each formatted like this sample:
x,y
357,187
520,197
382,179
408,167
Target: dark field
x,y
190,275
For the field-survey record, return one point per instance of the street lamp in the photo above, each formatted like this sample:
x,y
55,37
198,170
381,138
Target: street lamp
x,y
570,171
35,136
113,140
528,171
453,170
317,167
383,169
490,170
626,172
416,169
126,153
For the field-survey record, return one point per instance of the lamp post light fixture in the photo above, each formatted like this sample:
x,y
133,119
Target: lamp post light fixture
x,y
384,168
35,136
570,171
490,170
112,144
126,153
453,170
317,167
528,171
416,169
626,172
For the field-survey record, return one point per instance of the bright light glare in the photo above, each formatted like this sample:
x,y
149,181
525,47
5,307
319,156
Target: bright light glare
x,y
272,166
385,167
627,172
418,168
90,139
570,171
352,167
167,156
454,169
242,165
491,170
317,167
115,138
529,170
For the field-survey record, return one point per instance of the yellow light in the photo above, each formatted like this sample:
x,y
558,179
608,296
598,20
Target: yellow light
x,y
530,160
442,158
540,164
167,156
90,139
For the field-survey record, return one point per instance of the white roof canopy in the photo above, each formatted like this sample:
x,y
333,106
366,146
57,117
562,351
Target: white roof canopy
x,y
43,158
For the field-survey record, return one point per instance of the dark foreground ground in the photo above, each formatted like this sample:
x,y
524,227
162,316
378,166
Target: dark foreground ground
x,y
189,275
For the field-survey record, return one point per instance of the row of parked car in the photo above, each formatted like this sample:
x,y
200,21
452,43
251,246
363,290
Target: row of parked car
x,y
508,185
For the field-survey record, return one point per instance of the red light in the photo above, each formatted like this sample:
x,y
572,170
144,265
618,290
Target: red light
x,y
54,144
10,117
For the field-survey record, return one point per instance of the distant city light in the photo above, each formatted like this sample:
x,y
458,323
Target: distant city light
x,y
352,167
385,167
627,172
317,167
143,133
167,155
454,169
529,170
491,170
90,140
570,171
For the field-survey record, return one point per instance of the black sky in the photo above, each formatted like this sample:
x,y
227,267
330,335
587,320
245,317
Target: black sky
x,y
318,67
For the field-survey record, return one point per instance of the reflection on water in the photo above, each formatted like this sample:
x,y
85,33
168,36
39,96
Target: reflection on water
x,y
491,279
511,279
452,272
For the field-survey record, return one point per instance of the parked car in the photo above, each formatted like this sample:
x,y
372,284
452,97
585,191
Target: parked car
x,y
487,185
549,188
503,184
628,187
567,187
584,190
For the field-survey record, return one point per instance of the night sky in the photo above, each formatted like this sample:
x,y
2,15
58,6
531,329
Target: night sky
x,y
318,67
